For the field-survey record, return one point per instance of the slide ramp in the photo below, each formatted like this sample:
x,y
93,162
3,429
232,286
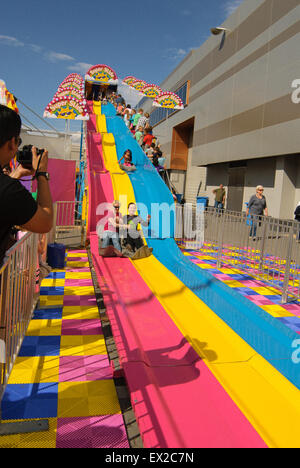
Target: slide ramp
x,y
260,375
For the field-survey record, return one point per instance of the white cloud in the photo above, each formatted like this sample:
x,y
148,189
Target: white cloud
x,y
174,53
35,48
80,67
231,6
11,41
58,57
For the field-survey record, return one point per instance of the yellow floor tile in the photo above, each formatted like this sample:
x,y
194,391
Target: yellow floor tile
x,y
51,301
206,267
46,439
77,254
48,327
79,291
80,399
233,284
80,312
86,345
265,291
51,282
78,275
77,265
36,369
277,311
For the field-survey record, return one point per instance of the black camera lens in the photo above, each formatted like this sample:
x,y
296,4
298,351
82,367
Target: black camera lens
x,y
24,156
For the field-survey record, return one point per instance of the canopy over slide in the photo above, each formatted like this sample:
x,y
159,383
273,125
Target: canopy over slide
x,y
7,98
69,101
102,75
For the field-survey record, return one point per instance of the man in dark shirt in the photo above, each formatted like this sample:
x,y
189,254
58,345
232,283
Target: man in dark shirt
x,y
17,206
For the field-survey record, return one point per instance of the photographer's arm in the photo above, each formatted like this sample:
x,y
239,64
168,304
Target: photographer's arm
x,y
42,221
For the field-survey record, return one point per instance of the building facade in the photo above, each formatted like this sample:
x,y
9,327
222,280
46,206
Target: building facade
x,y
240,125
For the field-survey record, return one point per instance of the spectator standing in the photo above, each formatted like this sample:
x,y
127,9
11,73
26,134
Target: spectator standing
x,y
220,196
139,135
144,120
119,100
137,117
257,207
297,218
148,137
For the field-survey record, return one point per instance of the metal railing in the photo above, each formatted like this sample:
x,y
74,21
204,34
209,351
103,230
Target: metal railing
x,y
19,293
17,300
69,223
267,248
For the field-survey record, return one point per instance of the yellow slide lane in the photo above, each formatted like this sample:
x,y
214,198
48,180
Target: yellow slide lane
x,y
268,400
97,107
101,124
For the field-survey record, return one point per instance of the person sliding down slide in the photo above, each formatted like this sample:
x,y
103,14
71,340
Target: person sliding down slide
x,y
128,166
133,243
110,233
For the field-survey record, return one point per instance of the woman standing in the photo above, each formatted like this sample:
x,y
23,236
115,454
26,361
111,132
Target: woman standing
x,y
257,207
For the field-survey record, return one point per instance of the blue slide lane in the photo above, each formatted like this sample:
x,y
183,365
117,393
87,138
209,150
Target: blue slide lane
x,y
265,334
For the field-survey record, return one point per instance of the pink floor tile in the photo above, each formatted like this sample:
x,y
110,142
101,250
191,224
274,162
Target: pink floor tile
x,y
80,301
81,327
95,432
78,282
77,259
84,368
261,301
222,277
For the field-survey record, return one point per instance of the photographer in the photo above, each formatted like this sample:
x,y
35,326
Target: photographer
x,y
17,206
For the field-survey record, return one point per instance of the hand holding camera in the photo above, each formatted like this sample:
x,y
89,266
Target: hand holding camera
x,y
30,160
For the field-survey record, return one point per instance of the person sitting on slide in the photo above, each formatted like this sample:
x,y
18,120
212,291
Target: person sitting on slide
x,y
128,166
133,241
111,232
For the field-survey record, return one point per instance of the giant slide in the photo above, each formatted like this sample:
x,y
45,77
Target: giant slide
x,y
204,366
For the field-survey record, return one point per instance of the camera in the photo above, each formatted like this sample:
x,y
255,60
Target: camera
x,y
24,156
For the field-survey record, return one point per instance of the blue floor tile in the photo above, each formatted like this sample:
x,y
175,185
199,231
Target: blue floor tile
x,y
49,314
52,291
56,274
30,401
40,346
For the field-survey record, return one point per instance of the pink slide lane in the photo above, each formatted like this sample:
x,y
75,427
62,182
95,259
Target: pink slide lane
x,y
176,399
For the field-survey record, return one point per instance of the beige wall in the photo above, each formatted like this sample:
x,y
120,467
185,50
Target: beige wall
x,y
240,96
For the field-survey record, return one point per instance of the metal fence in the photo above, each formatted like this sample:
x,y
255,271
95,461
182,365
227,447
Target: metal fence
x,y
265,247
19,291
17,300
69,223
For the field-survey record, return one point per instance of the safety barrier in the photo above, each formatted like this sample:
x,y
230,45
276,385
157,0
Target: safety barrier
x,y
19,293
265,247
17,300
69,223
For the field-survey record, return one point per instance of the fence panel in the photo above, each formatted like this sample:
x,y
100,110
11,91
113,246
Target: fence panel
x,y
265,247
17,300
70,227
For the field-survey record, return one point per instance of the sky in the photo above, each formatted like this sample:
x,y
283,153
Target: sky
x,y
41,42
